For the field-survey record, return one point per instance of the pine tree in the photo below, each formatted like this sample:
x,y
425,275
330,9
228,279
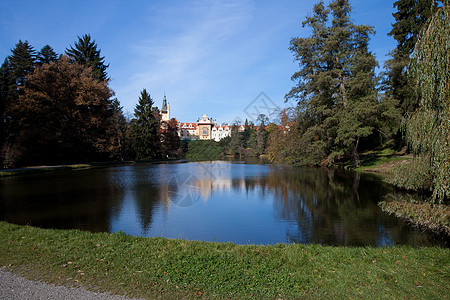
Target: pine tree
x,y
410,17
22,62
246,135
13,76
236,144
85,52
46,55
336,91
145,129
120,145
4,86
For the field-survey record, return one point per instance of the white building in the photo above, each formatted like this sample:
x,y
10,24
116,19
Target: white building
x,y
219,132
204,129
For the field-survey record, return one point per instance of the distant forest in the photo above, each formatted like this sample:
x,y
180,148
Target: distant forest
x,y
59,108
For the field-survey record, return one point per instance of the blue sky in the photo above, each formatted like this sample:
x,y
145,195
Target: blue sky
x,y
213,57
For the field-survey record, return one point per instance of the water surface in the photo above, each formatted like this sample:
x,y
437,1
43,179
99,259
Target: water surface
x,y
212,201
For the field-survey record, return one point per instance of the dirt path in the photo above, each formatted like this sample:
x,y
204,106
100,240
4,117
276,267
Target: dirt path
x,y
14,287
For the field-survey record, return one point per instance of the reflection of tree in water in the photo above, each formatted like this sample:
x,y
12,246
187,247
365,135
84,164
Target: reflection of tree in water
x,y
65,200
146,196
146,186
333,207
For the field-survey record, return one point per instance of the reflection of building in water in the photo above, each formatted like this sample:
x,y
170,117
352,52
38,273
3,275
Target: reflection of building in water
x,y
207,185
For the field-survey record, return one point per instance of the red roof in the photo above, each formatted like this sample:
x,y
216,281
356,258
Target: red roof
x,y
188,125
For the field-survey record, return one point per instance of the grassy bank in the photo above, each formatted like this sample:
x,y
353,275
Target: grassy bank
x,y
41,169
47,169
435,217
174,269
381,162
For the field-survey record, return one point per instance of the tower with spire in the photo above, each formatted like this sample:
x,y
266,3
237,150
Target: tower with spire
x,y
165,110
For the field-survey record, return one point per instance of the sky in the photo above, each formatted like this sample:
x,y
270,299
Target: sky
x,y
228,59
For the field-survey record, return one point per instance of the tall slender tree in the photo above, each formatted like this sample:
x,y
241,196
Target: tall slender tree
x,y
145,128
13,77
4,86
85,52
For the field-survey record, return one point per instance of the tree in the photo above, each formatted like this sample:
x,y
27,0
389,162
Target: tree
x,y
85,52
170,140
335,89
428,128
246,135
15,69
13,76
120,148
4,87
236,145
357,116
145,129
62,116
22,62
410,17
46,55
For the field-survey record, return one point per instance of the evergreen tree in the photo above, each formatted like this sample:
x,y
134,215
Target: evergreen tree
x,y
13,76
246,133
261,134
46,55
85,52
4,86
21,63
145,129
120,145
410,17
236,144
336,91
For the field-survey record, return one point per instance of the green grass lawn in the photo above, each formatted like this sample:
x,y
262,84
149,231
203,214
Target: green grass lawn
x,y
174,269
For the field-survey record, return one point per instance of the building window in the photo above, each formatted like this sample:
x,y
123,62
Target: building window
x,y
205,131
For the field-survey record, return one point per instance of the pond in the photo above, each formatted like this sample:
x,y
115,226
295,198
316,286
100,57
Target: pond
x,y
212,201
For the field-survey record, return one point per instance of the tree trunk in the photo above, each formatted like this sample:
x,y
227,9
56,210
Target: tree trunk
x,y
356,161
